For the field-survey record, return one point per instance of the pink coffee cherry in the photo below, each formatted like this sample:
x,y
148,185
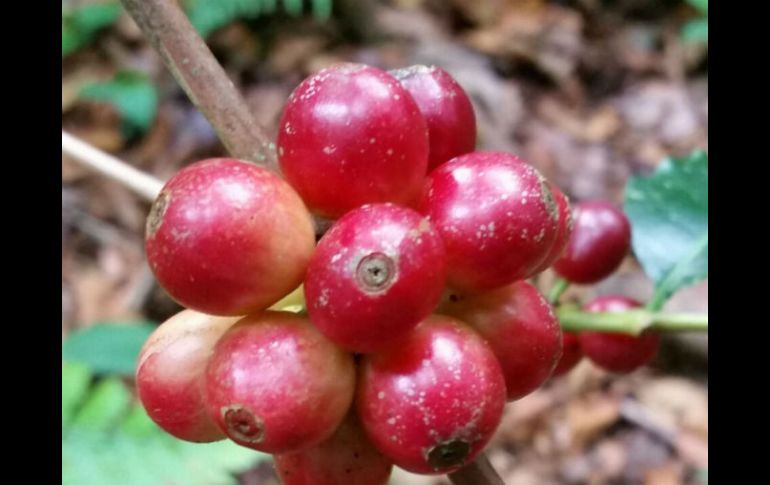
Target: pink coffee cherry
x,y
275,384
170,374
432,403
351,135
520,327
375,275
346,458
496,215
227,237
446,108
601,238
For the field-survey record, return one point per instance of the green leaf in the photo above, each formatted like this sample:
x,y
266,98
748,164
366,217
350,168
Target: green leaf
x,y
701,5
696,30
132,94
108,347
79,26
209,15
112,440
669,219
293,7
322,9
104,406
75,379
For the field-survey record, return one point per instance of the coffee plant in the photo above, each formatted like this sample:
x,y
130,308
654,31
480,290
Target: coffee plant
x,y
397,337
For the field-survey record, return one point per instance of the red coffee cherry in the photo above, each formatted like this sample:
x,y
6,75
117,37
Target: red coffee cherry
x,y
352,135
601,238
432,403
520,327
275,384
563,233
227,237
170,374
375,275
446,108
616,352
570,356
346,458
496,215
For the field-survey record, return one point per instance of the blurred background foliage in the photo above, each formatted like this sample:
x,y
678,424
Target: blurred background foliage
x,y
594,93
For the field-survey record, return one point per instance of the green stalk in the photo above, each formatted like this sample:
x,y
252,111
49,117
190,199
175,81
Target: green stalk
x,y
558,289
631,322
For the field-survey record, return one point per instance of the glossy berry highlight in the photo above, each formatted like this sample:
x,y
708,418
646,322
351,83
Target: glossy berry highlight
x,y
432,403
226,237
275,384
520,327
616,352
446,108
496,215
374,276
170,374
351,135
601,238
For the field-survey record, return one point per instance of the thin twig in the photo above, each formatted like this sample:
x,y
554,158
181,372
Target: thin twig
x,y
632,322
558,289
480,472
197,71
143,184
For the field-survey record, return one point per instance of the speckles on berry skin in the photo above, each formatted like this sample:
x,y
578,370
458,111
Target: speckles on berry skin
x,y
521,328
275,384
352,135
422,403
375,274
494,219
227,237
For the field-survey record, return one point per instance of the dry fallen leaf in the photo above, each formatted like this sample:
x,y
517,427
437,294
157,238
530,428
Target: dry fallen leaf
x,y
591,415
672,473
678,402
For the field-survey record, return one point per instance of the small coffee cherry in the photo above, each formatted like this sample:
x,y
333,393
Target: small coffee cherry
x,y
351,135
227,237
275,384
496,215
570,356
601,238
374,276
520,327
617,352
170,374
446,108
431,403
346,458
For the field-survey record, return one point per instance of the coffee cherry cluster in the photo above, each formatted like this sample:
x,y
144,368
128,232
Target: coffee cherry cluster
x,y
415,321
